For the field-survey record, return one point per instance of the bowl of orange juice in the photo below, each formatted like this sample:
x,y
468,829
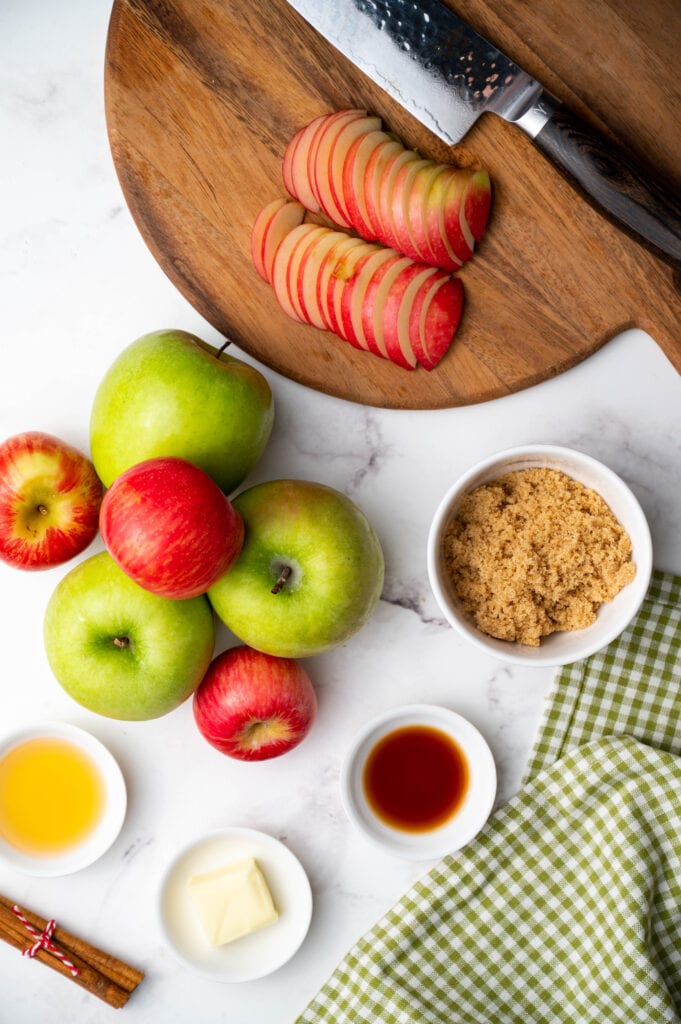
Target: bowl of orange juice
x,y
62,799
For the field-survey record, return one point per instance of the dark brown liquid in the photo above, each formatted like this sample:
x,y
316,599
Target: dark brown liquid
x,y
415,778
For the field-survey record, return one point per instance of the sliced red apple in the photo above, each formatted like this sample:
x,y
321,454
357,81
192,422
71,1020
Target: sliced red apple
x,y
363,177
354,293
455,234
287,163
318,152
443,254
476,203
293,272
300,182
308,276
397,311
353,184
333,265
435,318
271,226
342,278
338,153
400,212
384,153
282,261
260,227
416,217
385,189
374,301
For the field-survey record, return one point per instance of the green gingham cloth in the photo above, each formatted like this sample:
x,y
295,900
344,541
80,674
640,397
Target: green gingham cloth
x,y
567,906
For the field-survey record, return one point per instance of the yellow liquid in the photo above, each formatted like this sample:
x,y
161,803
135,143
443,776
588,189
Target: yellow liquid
x,y
51,796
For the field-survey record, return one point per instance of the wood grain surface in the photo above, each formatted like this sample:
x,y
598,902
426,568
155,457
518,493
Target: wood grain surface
x,y
203,95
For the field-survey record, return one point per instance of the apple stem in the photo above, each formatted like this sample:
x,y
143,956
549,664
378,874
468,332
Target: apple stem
x,y
283,576
222,348
121,641
42,510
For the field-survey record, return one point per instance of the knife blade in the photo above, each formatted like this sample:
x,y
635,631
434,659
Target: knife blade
x,y
447,75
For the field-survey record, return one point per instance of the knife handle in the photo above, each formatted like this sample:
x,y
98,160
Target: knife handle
x,y
609,177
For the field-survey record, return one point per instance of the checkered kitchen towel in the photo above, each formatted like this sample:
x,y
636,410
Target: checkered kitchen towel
x,y
567,907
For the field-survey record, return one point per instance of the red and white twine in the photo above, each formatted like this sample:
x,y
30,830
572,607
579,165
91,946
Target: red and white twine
x,y
44,941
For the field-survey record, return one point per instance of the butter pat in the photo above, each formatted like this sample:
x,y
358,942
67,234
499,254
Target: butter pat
x,y
232,901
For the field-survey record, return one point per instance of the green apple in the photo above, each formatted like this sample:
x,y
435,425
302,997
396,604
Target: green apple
x,y
121,651
309,574
169,393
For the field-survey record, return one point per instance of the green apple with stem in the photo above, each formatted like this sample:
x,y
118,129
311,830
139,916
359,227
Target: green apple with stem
x,y
309,574
171,394
121,651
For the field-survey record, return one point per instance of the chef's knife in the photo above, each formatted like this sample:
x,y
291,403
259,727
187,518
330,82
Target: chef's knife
x,y
445,74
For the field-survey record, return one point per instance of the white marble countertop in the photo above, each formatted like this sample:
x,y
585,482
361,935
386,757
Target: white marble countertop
x,y
78,284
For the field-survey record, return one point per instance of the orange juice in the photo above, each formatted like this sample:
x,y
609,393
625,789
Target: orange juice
x,y
51,796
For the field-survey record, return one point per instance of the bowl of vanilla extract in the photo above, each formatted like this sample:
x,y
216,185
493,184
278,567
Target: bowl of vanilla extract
x,y
419,781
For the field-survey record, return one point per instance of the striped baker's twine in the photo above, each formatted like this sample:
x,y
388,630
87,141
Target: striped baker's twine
x,y
44,941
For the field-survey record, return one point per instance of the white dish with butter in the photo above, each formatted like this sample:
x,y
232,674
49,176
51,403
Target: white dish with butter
x,y
252,955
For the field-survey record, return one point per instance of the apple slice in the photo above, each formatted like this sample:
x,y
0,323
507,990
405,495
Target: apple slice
x,y
271,227
282,260
363,177
397,312
287,163
400,213
260,227
354,175
386,189
448,194
298,174
293,272
416,216
342,278
308,276
443,254
349,314
476,203
338,153
375,299
333,266
435,318
384,153
320,145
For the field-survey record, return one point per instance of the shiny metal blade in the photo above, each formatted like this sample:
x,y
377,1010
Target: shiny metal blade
x,y
426,58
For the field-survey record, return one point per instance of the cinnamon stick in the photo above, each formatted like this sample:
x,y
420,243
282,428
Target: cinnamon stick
x,y
99,973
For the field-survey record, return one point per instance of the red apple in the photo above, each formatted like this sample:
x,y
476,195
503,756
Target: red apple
x,y
49,501
254,706
359,175
170,528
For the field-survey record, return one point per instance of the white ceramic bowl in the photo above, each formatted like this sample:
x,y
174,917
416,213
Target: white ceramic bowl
x,y
251,956
558,648
465,823
115,801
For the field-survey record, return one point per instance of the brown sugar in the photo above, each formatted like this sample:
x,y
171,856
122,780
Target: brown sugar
x,y
534,552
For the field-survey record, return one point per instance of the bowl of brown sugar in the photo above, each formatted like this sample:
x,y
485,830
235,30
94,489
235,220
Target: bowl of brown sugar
x,y
540,555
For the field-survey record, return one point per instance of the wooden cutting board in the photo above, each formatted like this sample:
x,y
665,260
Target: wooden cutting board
x,y
203,95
